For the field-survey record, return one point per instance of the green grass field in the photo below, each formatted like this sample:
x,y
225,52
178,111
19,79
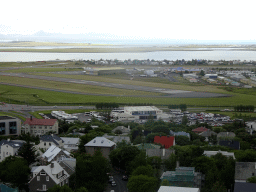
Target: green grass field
x,y
20,95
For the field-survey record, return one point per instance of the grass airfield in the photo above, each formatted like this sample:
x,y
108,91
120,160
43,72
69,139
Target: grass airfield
x,y
22,90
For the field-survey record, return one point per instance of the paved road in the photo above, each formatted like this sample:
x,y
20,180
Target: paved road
x,y
167,92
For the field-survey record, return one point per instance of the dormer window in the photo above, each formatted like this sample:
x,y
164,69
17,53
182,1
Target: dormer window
x,y
42,173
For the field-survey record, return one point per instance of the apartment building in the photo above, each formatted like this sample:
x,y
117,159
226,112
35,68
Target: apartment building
x,y
9,126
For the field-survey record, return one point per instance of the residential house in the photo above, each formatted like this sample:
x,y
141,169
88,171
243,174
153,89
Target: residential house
x,y
45,177
232,144
251,125
244,170
40,126
46,141
70,143
177,189
180,133
225,153
117,139
244,187
162,153
54,153
166,141
100,143
68,164
207,134
225,135
183,177
9,126
199,129
9,148
124,130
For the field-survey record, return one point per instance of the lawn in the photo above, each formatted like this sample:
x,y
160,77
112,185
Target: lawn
x,y
41,70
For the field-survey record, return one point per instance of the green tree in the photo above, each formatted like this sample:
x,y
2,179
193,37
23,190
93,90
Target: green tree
x,y
14,170
184,120
143,170
142,183
170,163
182,140
165,182
28,152
57,188
251,180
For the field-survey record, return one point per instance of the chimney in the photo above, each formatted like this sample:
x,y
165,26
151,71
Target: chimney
x,y
31,118
177,164
52,165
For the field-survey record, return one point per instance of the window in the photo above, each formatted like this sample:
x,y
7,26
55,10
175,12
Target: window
x,y
40,127
35,131
50,144
42,131
44,187
2,128
45,127
12,127
6,153
44,144
31,131
50,127
42,173
38,178
47,178
252,174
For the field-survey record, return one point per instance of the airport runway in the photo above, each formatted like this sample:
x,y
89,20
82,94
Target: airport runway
x,y
166,92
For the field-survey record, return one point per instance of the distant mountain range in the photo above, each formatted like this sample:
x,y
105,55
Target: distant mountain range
x,y
101,38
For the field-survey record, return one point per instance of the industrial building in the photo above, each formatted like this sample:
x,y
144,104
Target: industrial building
x,y
140,113
105,71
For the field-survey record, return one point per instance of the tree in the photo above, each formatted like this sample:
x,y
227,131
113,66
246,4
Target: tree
x,y
28,152
182,140
14,170
202,73
251,180
143,170
142,183
184,120
57,188
170,163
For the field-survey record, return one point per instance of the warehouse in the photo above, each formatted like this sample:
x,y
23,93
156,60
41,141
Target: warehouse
x,y
105,71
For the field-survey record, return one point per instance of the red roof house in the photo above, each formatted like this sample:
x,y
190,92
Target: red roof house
x,y
166,141
200,129
34,121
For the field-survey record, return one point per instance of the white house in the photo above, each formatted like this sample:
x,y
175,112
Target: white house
x,y
54,153
9,148
70,143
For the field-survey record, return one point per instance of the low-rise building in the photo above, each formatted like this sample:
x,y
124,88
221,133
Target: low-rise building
x,y
45,177
9,148
70,143
46,141
102,144
40,126
165,141
9,126
225,153
244,170
54,153
183,177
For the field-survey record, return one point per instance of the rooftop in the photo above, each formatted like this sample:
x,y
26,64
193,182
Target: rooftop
x,y
100,142
35,121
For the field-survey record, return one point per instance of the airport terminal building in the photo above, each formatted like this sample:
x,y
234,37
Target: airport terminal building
x,y
139,113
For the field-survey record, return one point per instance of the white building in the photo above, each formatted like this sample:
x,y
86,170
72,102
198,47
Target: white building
x,y
225,153
9,148
141,113
70,143
177,189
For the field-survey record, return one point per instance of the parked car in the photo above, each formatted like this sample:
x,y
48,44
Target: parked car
x,y
125,178
113,183
111,179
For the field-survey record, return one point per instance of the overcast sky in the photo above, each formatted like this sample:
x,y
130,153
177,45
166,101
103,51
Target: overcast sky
x,y
170,19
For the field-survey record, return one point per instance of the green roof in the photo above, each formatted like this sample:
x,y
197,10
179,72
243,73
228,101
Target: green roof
x,y
147,146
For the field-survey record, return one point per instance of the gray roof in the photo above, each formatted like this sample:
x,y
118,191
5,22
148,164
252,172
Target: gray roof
x,y
244,170
51,138
100,142
117,139
226,134
180,133
70,140
207,133
244,187
163,153
121,128
12,143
